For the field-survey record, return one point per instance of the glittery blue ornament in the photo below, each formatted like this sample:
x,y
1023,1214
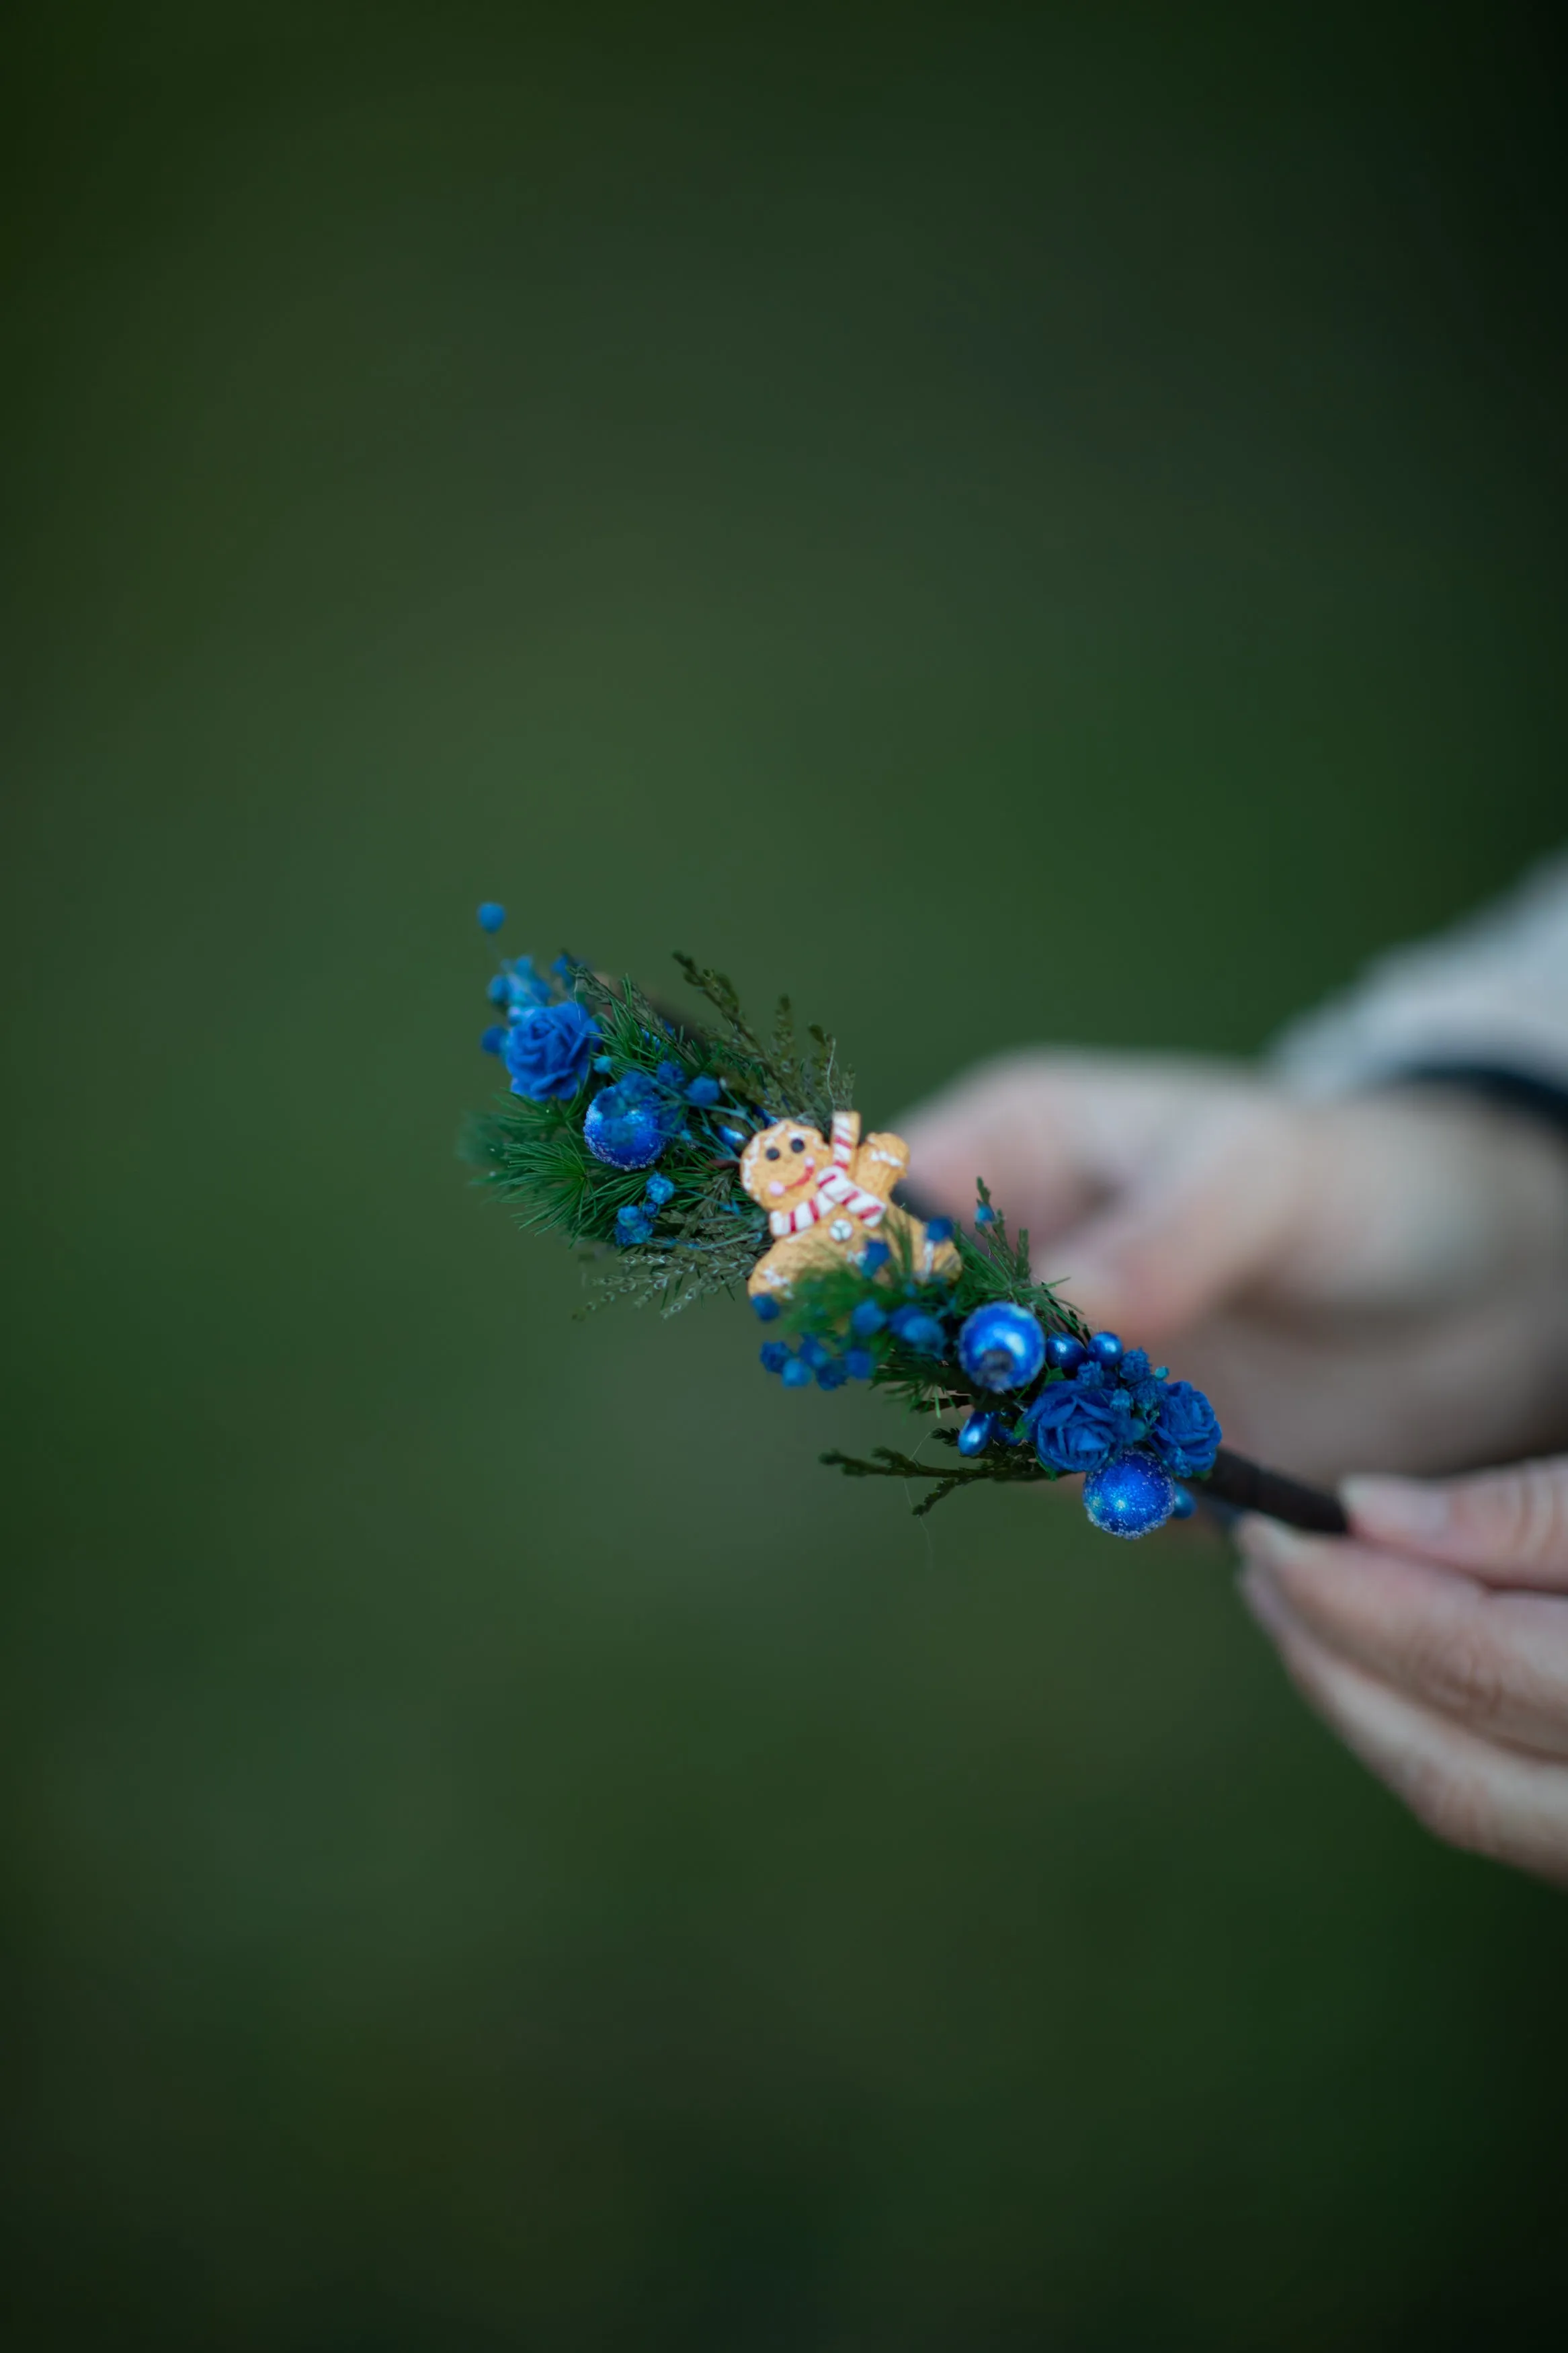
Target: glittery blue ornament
x,y
1105,1348
630,1124
978,1433
1001,1347
919,1331
1064,1354
796,1373
1133,1495
1184,1507
492,915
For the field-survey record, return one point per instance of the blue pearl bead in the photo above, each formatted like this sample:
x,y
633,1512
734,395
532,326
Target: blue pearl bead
x,y
978,1433
492,915
1133,1495
1105,1348
1064,1353
1184,1507
1001,1347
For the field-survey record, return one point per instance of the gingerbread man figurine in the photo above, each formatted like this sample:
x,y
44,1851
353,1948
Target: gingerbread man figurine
x,y
828,1201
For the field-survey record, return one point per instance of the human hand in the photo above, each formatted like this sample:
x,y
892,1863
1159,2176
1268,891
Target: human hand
x,y
1381,1282
1435,1642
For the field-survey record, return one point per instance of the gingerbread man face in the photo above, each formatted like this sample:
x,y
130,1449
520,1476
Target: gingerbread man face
x,y
785,1164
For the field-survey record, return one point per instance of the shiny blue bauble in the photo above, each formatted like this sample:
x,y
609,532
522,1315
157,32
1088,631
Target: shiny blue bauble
x,y
1131,1496
629,1124
978,1433
1104,1349
1064,1354
1185,1506
1001,1347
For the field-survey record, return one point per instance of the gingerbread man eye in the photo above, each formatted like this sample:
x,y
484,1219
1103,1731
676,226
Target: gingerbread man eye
x,y
772,1152
797,1143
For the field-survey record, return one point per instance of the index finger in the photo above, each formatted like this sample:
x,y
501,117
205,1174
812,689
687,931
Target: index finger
x,y
1506,1527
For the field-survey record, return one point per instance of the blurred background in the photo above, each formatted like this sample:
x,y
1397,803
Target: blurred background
x,y
1009,524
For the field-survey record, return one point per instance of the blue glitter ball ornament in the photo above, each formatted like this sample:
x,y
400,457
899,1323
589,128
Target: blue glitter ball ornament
x,y
765,1307
1001,1347
917,1330
1105,1348
1064,1354
1184,1507
492,915
978,1433
1131,1496
796,1373
629,1124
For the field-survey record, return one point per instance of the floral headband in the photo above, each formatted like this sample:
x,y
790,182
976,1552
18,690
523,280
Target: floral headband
x,y
709,1158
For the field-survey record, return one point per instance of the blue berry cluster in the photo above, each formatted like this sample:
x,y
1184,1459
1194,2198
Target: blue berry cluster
x,y
635,1222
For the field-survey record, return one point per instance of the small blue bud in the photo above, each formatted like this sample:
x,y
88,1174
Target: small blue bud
x,y
499,990
492,915
1065,1354
831,1375
874,1256
859,1364
978,1433
670,1072
867,1319
633,1224
765,1307
658,1191
703,1091
492,1040
1105,1348
814,1354
562,968
919,1331
797,1374
773,1356
984,1214
604,1064
939,1229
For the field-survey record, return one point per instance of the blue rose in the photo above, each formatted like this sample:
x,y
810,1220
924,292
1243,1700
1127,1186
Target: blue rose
x,y
1187,1434
548,1050
1079,1425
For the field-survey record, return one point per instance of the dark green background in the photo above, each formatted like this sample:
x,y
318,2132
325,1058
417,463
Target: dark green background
x,y
1009,525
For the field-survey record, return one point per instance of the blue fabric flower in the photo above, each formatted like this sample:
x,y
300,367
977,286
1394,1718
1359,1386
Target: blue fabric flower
x,y
518,987
633,1224
1186,1434
548,1051
1079,1425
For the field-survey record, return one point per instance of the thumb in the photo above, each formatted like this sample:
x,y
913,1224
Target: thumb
x,y
1508,1527
1193,1228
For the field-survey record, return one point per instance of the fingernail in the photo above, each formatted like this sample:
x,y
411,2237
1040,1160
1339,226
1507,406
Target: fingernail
x,y
1266,1541
1262,1597
1396,1508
